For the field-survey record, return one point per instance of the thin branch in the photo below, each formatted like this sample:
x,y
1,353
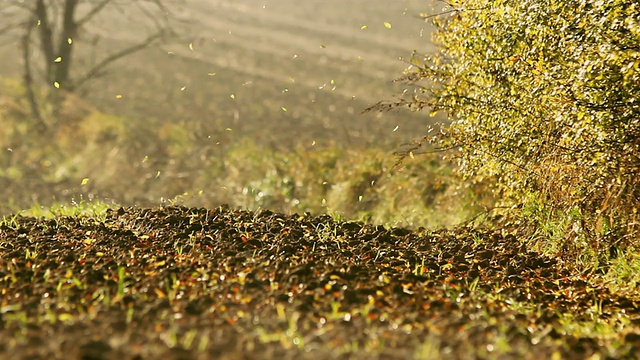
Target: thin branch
x,y
150,15
10,26
67,32
28,77
93,12
46,36
96,70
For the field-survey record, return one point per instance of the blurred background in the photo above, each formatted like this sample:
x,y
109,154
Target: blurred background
x,y
255,104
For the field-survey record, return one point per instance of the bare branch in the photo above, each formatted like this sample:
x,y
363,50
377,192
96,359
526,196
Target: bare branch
x,y
96,70
93,12
46,36
28,77
67,32
151,16
10,26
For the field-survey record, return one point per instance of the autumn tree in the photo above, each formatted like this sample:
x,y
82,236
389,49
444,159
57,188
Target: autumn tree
x,y
544,98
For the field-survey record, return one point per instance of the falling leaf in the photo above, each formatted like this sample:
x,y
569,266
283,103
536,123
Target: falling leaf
x,y
191,46
56,85
283,108
396,128
158,174
118,96
69,41
233,96
364,27
211,74
387,25
84,181
313,143
323,46
182,88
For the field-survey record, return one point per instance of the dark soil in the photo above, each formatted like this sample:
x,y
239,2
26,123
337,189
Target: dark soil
x,y
195,283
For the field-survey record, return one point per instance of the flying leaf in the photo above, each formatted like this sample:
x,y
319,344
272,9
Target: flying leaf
x,y
56,85
363,27
84,181
387,25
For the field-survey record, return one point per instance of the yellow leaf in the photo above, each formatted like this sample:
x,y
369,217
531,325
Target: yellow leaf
x,y
233,96
56,85
85,181
58,59
363,27
65,317
69,41
387,25
160,293
211,74
191,46
118,96
283,108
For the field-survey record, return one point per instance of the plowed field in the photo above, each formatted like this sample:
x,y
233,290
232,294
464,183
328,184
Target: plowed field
x,y
186,283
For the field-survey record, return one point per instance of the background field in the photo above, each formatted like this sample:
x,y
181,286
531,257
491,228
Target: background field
x,y
253,103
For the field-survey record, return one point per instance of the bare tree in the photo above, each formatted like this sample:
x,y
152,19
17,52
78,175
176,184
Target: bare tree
x,y
50,31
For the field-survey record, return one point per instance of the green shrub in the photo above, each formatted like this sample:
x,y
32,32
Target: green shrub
x,y
543,96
